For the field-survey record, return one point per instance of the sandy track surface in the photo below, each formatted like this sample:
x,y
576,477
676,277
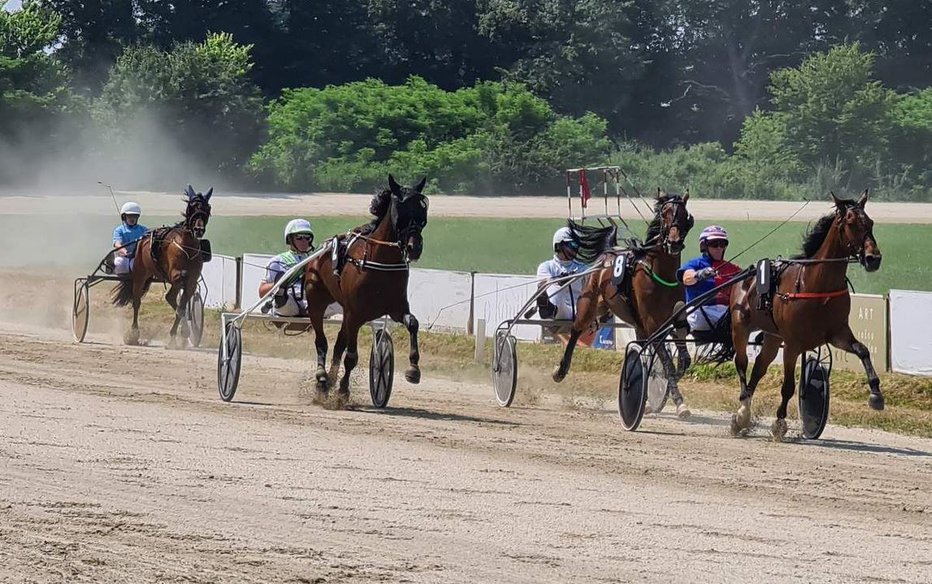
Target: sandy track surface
x,y
443,206
122,464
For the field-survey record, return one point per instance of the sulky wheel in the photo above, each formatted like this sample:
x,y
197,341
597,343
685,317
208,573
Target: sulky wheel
x,y
195,316
228,364
381,368
632,388
504,368
80,312
814,394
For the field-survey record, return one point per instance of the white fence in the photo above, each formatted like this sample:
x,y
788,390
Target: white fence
x,y
446,300
911,332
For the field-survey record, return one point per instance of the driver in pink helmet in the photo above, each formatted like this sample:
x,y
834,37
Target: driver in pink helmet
x,y
705,272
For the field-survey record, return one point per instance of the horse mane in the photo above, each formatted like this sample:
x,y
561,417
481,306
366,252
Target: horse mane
x,y
815,235
593,241
381,202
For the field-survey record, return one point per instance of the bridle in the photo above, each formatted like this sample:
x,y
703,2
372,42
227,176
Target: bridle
x,y
855,249
197,211
664,241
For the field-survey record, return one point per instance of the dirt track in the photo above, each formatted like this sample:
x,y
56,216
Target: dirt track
x,y
322,204
122,464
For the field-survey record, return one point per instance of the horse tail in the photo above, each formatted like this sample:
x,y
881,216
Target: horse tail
x,y
122,293
593,241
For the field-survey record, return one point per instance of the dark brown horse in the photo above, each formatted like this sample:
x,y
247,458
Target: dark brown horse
x,y
373,283
648,296
171,255
810,307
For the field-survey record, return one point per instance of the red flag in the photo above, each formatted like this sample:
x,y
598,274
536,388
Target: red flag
x,y
585,193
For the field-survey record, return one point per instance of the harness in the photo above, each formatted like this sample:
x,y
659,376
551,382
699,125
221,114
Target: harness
x,y
341,248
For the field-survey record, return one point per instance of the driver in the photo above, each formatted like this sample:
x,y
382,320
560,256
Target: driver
x,y
290,299
125,236
556,303
702,273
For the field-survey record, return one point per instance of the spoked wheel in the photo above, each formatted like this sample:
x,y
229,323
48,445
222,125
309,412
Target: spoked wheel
x,y
632,388
229,362
80,312
814,392
195,316
657,393
381,368
504,368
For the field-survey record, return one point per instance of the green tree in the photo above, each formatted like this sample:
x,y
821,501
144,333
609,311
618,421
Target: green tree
x,y
199,95
492,137
35,98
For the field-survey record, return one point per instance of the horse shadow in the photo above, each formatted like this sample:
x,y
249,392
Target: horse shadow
x,y
857,446
410,412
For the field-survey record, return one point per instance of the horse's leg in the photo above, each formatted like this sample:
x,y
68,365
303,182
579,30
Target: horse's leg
x,y
790,355
351,330
585,315
846,341
669,371
767,354
739,337
338,348
316,314
413,374
181,309
139,288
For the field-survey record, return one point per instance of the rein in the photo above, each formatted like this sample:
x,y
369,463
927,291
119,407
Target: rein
x,y
787,296
365,262
650,271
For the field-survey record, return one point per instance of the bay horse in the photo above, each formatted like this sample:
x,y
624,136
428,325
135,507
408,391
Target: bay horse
x,y
810,307
648,296
373,283
171,255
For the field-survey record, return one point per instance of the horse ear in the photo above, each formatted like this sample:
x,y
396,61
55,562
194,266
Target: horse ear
x,y
420,186
686,196
838,202
863,200
394,186
189,192
209,192
660,193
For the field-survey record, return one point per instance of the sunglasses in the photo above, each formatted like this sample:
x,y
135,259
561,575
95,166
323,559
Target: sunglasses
x,y
718,243
301,238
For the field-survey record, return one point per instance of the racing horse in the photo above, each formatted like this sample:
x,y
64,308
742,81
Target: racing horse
x,y
373,283
809,307
172,255
645,298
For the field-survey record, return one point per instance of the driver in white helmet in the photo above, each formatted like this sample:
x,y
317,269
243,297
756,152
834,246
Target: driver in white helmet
x,y
125,236
290,299
561,303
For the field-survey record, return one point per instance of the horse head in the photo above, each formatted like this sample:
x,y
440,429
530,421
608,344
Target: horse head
x,y
409,216
197,213
672,221
856,231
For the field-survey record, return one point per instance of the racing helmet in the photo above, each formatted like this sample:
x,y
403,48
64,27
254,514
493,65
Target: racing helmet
x,y
563,235
296,226
130,208
712,233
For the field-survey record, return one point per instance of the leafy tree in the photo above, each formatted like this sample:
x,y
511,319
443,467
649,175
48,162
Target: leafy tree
x,y
93,33
199,95
35,98
487,138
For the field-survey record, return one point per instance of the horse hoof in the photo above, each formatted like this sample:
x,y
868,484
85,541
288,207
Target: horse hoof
x,y
741,421
648,410
413,375
682,411
131,338
778,430
558,375
875,401
321,376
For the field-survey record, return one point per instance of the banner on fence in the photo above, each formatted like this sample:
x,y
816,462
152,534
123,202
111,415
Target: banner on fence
x,y
911,332
868,322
